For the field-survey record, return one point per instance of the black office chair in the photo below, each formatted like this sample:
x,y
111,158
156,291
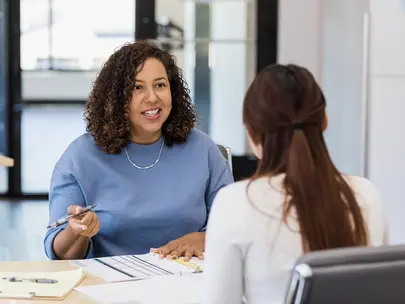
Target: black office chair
x,y
226,152
350,276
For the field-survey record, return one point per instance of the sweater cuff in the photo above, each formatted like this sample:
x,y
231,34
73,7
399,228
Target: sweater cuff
x,y
50,238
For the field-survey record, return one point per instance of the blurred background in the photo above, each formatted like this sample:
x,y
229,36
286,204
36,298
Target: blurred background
x,y
63,44
51,51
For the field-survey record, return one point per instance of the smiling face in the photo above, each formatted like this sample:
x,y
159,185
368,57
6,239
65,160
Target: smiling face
x,y
151,102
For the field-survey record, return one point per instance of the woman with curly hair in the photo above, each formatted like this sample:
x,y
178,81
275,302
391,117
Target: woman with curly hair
x,y
152,174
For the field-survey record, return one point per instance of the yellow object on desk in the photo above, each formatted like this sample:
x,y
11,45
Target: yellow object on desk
x,y
39,285
190,264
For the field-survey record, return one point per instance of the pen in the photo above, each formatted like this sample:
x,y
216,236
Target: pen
x,y
65,220
32,280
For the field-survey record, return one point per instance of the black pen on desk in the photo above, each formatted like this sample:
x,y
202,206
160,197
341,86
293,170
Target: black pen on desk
x,y
65,219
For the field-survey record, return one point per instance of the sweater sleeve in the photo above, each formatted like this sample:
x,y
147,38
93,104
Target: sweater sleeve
x,y
64,191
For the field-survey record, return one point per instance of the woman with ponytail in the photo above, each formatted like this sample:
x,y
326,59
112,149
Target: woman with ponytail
x,y
295,203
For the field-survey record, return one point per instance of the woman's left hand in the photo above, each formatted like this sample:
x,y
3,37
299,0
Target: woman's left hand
x,y
190,245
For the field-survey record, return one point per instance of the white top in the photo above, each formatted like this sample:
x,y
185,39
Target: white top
x,y
250,253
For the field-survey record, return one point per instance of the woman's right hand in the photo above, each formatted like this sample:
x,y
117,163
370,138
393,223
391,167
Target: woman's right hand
x,y
86,225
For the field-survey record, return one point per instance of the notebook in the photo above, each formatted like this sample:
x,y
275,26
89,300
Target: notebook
x,y
23,288
136,267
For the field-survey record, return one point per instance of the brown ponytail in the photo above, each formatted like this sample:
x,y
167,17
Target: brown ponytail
x,y
284,111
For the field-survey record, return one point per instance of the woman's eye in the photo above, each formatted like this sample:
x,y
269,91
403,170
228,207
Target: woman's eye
x,y
138,87
160,85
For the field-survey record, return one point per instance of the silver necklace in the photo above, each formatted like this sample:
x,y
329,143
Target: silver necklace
x,y
146,167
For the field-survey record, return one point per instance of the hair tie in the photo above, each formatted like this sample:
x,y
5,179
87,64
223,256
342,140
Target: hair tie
x,y
298,126
301,125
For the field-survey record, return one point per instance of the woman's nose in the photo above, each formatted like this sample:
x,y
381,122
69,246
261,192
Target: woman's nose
x,y
151,96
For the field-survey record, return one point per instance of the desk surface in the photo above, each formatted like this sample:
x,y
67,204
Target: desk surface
x,y
43,266
6,161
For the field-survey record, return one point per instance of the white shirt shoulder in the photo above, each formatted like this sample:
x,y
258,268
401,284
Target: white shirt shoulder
x,y
373,208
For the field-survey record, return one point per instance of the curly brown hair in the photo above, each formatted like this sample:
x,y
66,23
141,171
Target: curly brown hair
x,y
107,109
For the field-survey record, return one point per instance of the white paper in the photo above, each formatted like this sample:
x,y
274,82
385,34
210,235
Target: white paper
x,y
99,270
170,289
133,267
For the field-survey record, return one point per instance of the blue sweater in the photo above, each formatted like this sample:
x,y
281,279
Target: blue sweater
x,y
138,209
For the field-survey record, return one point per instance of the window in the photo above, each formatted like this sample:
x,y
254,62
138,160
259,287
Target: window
x,y
73,34
216,50
46,131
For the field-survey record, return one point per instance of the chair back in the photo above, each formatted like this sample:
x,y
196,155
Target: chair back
x,y
226,152
352,275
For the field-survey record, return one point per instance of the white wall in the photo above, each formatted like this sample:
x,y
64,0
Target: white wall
x,y
319,35
341,79
299,34
387,108
388,38
327,37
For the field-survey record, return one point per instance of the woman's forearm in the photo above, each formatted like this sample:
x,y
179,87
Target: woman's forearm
x,y
69,246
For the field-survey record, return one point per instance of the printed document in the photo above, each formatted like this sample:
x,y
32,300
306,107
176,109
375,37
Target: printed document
x,y
134,267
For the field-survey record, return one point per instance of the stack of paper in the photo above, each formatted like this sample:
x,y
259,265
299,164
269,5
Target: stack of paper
x,y
65,281
171,289
136,267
